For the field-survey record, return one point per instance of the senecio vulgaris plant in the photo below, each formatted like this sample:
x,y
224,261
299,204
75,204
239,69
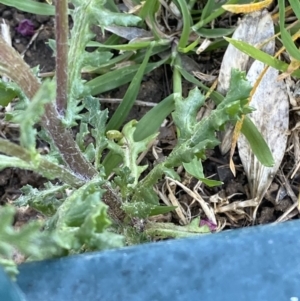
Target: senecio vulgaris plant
x,y
84,209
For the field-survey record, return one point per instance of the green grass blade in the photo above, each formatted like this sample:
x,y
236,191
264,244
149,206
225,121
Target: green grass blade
x,y
110,162
159,49
296,7
111,40
117,78
151,121
125,47
261,56
129,47
258,144
111,5
213,15
184,36
130,96
106,67
148,12
190,47
149,8
215,32
208,9
30,6
286,37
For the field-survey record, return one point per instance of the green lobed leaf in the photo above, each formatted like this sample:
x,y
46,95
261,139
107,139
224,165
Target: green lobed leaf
x,y
169,172
81,222
32,114
195,169
45,200
186,112
263,153
129,149
87,150
202,134
10,267
95,223
97,58
80,136
29,240
86,14
106,17
124,181
6,94
53,154
142,204
80,35
97,119
203,137
239,88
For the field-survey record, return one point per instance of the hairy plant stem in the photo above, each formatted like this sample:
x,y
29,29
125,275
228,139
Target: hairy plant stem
x,y
13,66
62,30
67,146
